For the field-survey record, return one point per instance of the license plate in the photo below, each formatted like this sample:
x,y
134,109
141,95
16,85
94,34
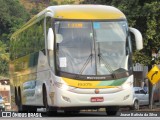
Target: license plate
x,y
97,99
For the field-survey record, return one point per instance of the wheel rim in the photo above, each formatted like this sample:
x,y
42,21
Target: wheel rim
x,y
136,105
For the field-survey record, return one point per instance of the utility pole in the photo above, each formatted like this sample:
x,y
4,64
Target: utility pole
x,y
150,88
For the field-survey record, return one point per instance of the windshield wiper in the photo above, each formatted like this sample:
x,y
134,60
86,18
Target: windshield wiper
x,y
86,63
107,65
88,59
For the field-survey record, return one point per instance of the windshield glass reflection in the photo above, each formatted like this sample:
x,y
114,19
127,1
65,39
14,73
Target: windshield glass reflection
x,y
91,48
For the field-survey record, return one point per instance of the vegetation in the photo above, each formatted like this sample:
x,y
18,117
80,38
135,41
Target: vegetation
x,y
34,6
141,14
12,15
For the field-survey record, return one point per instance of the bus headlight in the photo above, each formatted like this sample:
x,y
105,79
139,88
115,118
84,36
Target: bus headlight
x,y
63,86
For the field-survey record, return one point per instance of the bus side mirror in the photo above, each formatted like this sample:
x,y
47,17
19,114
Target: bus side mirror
x,y
138,38
50,39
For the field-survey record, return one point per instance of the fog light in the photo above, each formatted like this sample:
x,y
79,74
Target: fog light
x,y
66,99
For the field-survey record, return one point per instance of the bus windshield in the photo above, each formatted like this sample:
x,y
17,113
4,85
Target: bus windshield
x,y
91,48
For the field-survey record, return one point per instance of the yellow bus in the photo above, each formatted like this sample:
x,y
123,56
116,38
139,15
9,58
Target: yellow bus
x,y
73,57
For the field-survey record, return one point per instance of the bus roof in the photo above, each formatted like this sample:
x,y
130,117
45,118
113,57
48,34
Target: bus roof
x,y
76,12
86,12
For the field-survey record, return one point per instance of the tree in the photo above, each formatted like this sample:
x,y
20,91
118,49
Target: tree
x,y
12,16
4,59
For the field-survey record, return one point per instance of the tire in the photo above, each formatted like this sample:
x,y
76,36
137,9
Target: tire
x,y
19,102
112,110
136,105
16,97
50,111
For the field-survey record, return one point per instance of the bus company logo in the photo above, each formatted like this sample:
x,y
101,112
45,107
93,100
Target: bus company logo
x,y
96,78
21,115
6,114
96,91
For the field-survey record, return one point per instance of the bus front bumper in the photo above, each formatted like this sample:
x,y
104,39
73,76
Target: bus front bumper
x,y
65,98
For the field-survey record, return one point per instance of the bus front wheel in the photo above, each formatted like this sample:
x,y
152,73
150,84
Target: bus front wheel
x,y
49,110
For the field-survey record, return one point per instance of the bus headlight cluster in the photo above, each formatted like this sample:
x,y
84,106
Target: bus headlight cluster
x,y
63,86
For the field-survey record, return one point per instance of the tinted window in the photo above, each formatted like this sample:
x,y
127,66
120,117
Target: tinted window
x,y
137,91
142,92
28,41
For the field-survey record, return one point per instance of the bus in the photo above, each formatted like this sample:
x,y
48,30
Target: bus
x,y
73,57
